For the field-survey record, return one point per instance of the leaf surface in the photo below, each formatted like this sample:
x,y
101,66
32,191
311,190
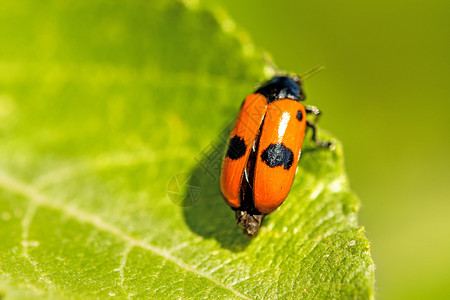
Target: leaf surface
x,y
109,113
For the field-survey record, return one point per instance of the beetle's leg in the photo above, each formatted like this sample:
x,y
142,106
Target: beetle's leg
x,y
326,144
313,110
310,109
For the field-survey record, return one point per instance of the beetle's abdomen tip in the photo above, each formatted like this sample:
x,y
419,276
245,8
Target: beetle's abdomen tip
x,y
249,222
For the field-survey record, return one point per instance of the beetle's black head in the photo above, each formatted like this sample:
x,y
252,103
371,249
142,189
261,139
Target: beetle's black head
x,y
282,87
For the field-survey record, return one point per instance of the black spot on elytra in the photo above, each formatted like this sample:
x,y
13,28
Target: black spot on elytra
x,y
299,115
278,155
236,148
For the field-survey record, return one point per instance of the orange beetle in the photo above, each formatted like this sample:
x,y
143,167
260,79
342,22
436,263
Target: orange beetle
x,y
264,149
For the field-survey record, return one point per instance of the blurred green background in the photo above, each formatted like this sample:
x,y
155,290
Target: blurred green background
x,y
385,94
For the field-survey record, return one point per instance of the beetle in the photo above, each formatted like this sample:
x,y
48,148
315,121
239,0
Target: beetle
x,y
264,148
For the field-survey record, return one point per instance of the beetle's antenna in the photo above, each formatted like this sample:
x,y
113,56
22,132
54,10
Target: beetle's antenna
x,y
312,72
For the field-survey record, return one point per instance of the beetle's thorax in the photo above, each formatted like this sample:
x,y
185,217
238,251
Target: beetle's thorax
x,y
282,87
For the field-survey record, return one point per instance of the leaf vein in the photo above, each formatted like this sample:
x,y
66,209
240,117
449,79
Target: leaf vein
x,y
41,200
26,223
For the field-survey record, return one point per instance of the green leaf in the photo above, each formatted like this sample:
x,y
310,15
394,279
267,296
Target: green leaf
x,y
109,111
